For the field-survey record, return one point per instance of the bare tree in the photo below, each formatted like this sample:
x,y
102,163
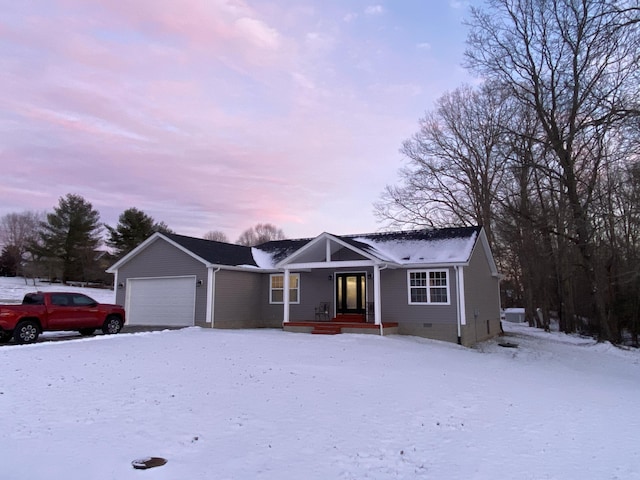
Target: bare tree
x,y
456,163
260,233
217,236
573,63
18,229
17,232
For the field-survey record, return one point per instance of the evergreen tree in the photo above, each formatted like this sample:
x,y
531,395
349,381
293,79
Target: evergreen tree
x,y
9,261
134,227
70,235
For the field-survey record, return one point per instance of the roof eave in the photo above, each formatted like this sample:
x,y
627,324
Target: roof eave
x,y
434,265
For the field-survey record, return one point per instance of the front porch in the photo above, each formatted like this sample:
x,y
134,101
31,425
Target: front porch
x,y
341,324
338,280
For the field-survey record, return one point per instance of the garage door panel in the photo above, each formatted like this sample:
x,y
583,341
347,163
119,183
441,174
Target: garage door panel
x,y
166,301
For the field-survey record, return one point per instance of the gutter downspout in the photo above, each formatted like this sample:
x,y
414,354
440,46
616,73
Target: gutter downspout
x,y
211,290
460,301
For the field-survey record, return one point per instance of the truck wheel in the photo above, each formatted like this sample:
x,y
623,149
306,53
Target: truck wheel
x,y
26,331
113,324
86,331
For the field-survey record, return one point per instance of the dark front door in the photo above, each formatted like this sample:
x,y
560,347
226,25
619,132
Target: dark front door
x,y
350,292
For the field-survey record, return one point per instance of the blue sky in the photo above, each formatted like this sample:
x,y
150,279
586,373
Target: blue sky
x,y
217,115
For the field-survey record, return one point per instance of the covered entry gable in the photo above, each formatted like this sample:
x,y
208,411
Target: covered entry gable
x,y
332,252
327,250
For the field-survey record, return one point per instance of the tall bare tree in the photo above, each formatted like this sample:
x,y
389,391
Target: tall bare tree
x,y
17,232
573,63
18,229
456,163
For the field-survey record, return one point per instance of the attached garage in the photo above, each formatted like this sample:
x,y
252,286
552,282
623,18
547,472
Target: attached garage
x,y
161,301
170,280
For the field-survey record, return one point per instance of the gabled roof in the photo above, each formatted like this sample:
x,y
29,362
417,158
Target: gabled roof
x,y
404,248
209,252
315,251
269,254
438,246
216,253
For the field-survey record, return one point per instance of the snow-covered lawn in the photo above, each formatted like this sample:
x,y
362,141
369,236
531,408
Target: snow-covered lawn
x,y
265,404
12,289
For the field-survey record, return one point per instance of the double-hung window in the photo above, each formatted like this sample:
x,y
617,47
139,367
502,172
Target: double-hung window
x,y
276,288
428,287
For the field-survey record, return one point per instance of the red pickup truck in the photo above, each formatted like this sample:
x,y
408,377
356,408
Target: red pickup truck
x,y
49,311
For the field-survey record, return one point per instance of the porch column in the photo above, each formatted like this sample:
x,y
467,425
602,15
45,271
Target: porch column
x,y
377,309
211,278
286,296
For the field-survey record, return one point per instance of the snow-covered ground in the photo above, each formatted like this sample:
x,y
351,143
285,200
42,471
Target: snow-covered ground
x,y
12,289
265,404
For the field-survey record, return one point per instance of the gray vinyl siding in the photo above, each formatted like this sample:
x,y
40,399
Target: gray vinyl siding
x,y
482,299
237,299
161,259
432,321
315,287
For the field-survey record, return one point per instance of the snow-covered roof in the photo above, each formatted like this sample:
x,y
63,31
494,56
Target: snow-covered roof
x,y
415,247
448,245
405,248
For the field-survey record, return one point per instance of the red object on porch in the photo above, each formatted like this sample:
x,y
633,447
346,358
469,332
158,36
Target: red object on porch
x,y
334,327
350,318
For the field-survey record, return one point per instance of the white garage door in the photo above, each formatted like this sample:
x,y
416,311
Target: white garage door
x,y
166,301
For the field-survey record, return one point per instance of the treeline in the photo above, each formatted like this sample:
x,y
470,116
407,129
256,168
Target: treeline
x,y
71,244
545,155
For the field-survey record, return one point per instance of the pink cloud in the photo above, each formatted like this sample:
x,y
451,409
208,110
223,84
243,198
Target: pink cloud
x,y
207,114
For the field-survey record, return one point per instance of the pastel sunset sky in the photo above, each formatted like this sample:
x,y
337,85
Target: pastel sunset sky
x,y
219,114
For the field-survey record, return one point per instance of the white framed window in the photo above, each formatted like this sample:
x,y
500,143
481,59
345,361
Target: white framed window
x,y
276,288
428,287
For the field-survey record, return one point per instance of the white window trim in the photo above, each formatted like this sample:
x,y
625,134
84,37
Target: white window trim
x,y
271,289
427,271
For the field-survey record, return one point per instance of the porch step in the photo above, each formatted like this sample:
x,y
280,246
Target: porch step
x,y
326,329
333,328
350,318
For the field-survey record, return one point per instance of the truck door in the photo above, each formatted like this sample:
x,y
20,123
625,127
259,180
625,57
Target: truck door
x,y
87,311
61,313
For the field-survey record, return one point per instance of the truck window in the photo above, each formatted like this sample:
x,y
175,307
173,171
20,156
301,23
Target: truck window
x,y
83,301
33,299
60,300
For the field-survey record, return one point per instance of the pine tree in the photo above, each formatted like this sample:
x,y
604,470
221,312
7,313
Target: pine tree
x,y
9,261
134,227
70,235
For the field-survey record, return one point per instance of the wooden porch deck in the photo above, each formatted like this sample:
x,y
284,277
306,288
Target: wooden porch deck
x,y
341,324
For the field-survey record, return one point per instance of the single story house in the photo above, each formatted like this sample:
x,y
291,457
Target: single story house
x,y
435,283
